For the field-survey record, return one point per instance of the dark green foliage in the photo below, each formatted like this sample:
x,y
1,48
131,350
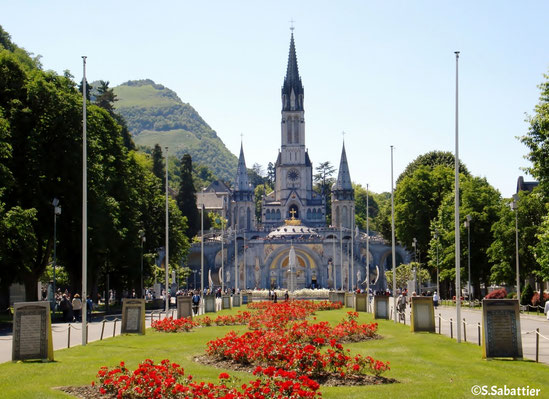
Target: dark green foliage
x,y
186,197
105,97
41,150
89,89
158,165
360,207
526,295
432,159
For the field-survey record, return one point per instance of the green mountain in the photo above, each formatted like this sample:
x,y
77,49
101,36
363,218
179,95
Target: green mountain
x,y
155,114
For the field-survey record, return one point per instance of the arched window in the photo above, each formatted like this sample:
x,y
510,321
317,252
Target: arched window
x,y
268,214
278,214
296,130
309,214
344,216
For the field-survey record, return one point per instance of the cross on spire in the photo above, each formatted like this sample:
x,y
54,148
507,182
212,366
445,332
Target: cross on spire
x,y
292,25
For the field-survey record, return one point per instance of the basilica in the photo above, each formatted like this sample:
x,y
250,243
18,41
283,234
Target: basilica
x,y
252,253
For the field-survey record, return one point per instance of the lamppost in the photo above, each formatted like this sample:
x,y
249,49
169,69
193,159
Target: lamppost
x,y
167,255
367,248
56,212
142,238
467,224
514,207
456,208
393,248
417,286
194,274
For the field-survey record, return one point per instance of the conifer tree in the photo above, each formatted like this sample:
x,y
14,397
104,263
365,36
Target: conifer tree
x,y
158,164
186,197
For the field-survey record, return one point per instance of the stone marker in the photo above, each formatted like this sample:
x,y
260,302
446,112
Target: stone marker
x,y
236,300
361,303
133,316
423,314
184,307
245,297
225,302
32,337
349,300
209,303
501,328
381,307
337,296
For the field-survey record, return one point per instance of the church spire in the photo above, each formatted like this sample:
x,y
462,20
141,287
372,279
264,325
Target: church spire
x,y
242,183
343,176
292,90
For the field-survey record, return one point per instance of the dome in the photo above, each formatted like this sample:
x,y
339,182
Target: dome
x,y
295,232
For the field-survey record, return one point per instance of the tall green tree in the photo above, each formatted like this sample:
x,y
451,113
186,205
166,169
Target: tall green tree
x,y
158,165
105,97
360,207
323,183
186,197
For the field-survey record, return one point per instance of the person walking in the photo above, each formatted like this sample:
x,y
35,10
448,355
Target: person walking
x,y
77,307
66,307
435,299
546,310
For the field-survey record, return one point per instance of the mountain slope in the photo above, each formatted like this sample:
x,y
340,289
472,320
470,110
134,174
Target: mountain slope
x,y
155,114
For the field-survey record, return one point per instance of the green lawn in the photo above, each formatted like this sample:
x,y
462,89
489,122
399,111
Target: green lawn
x,y
426,365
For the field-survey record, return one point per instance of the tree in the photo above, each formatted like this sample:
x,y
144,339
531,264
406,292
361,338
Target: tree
x,y
502,253
542,249
405,273
360,207
255,175
105,97
417,200
259,193
432,159
271,174
537,138
186,197
158,165
324,181
481,201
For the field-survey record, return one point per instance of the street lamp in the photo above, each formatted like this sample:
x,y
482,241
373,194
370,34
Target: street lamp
x,y
56,212
416,271
514,207
467,224
142,238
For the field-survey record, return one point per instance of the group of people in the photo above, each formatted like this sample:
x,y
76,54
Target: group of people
x,y
72,309
402,300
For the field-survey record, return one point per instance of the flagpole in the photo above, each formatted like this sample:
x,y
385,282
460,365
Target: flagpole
x,y
367,249
456,213
84,208
167,256
393,237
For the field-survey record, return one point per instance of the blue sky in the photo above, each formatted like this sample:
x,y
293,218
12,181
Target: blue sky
x,y
382,71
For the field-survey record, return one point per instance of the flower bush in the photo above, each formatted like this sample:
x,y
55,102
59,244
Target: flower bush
x,y
296,346
170,324
168,380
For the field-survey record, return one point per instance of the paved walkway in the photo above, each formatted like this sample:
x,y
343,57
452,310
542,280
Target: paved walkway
x,y
528,325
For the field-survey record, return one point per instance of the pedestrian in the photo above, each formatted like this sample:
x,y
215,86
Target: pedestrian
x,y
77,307
196,302
435,299
286,296
89,308
546,310
275,297
66,307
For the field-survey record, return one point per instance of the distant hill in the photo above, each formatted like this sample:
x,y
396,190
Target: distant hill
x,y
155,114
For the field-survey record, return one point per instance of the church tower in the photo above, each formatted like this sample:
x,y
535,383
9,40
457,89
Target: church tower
x,y
343,196
293,195
242,205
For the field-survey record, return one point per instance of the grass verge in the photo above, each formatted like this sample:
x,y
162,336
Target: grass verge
x,y
426,365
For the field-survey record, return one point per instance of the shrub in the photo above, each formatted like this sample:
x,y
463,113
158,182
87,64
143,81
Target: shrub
x,y
497,294
526,296
536,299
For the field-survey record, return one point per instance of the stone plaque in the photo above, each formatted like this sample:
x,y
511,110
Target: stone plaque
x,y
381,307
338,296
349,300
245,298
32,337
501,328
236,300
133,316
361,303
423,314
184,307
209,303
225,302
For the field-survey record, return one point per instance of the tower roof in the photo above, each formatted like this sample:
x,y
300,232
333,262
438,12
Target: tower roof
x,y
242,183
343,176
292,81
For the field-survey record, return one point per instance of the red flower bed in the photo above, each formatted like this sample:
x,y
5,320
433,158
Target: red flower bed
x,y
297,347
168,380
170,324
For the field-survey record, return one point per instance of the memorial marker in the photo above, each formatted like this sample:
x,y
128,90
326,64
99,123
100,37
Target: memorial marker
x,y
133,316
32,337
423,314
184,307
361,303
209,304
501,328
236,300
225,302
381,307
